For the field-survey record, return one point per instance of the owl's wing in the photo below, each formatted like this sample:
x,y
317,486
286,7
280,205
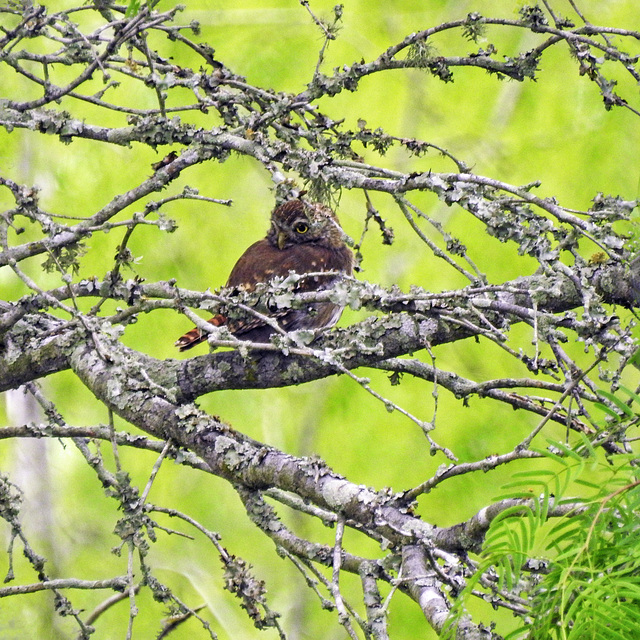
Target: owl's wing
x,y
262,262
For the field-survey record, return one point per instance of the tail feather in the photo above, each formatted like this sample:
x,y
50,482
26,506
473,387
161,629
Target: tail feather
x,y
195,336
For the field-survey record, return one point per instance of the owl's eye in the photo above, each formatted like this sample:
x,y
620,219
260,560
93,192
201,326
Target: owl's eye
x,y
301,227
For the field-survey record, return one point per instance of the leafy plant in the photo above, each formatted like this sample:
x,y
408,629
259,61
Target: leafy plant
x,y
571,562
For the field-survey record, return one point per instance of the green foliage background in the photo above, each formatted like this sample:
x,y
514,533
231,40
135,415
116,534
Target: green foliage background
x,y
555,130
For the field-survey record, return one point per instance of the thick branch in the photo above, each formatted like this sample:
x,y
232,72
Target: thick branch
x,y
122,386
424,586
370,341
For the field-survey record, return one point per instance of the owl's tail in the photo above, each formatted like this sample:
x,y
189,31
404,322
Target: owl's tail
x,y
195,336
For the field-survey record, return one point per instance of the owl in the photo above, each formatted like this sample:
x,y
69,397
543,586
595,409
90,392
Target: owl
x,y
304,238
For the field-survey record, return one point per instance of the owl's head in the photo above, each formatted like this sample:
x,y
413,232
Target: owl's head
x,y
297,222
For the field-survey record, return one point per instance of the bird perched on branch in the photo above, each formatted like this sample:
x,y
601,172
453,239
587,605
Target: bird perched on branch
x,y
304,237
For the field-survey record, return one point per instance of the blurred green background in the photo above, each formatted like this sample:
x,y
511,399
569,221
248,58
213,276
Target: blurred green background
x,y
555,130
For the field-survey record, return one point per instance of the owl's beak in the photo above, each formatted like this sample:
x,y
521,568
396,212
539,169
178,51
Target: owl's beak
x,y
282,238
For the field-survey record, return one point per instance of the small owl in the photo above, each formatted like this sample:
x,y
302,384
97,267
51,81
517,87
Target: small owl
x,y
304,237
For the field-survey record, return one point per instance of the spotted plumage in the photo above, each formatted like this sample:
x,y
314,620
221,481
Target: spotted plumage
x,y
304,237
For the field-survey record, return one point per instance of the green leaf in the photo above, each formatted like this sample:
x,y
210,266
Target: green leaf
x,y
634,396
132,9
619,403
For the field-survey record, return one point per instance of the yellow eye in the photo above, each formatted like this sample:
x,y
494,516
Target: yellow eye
x,y
301,227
